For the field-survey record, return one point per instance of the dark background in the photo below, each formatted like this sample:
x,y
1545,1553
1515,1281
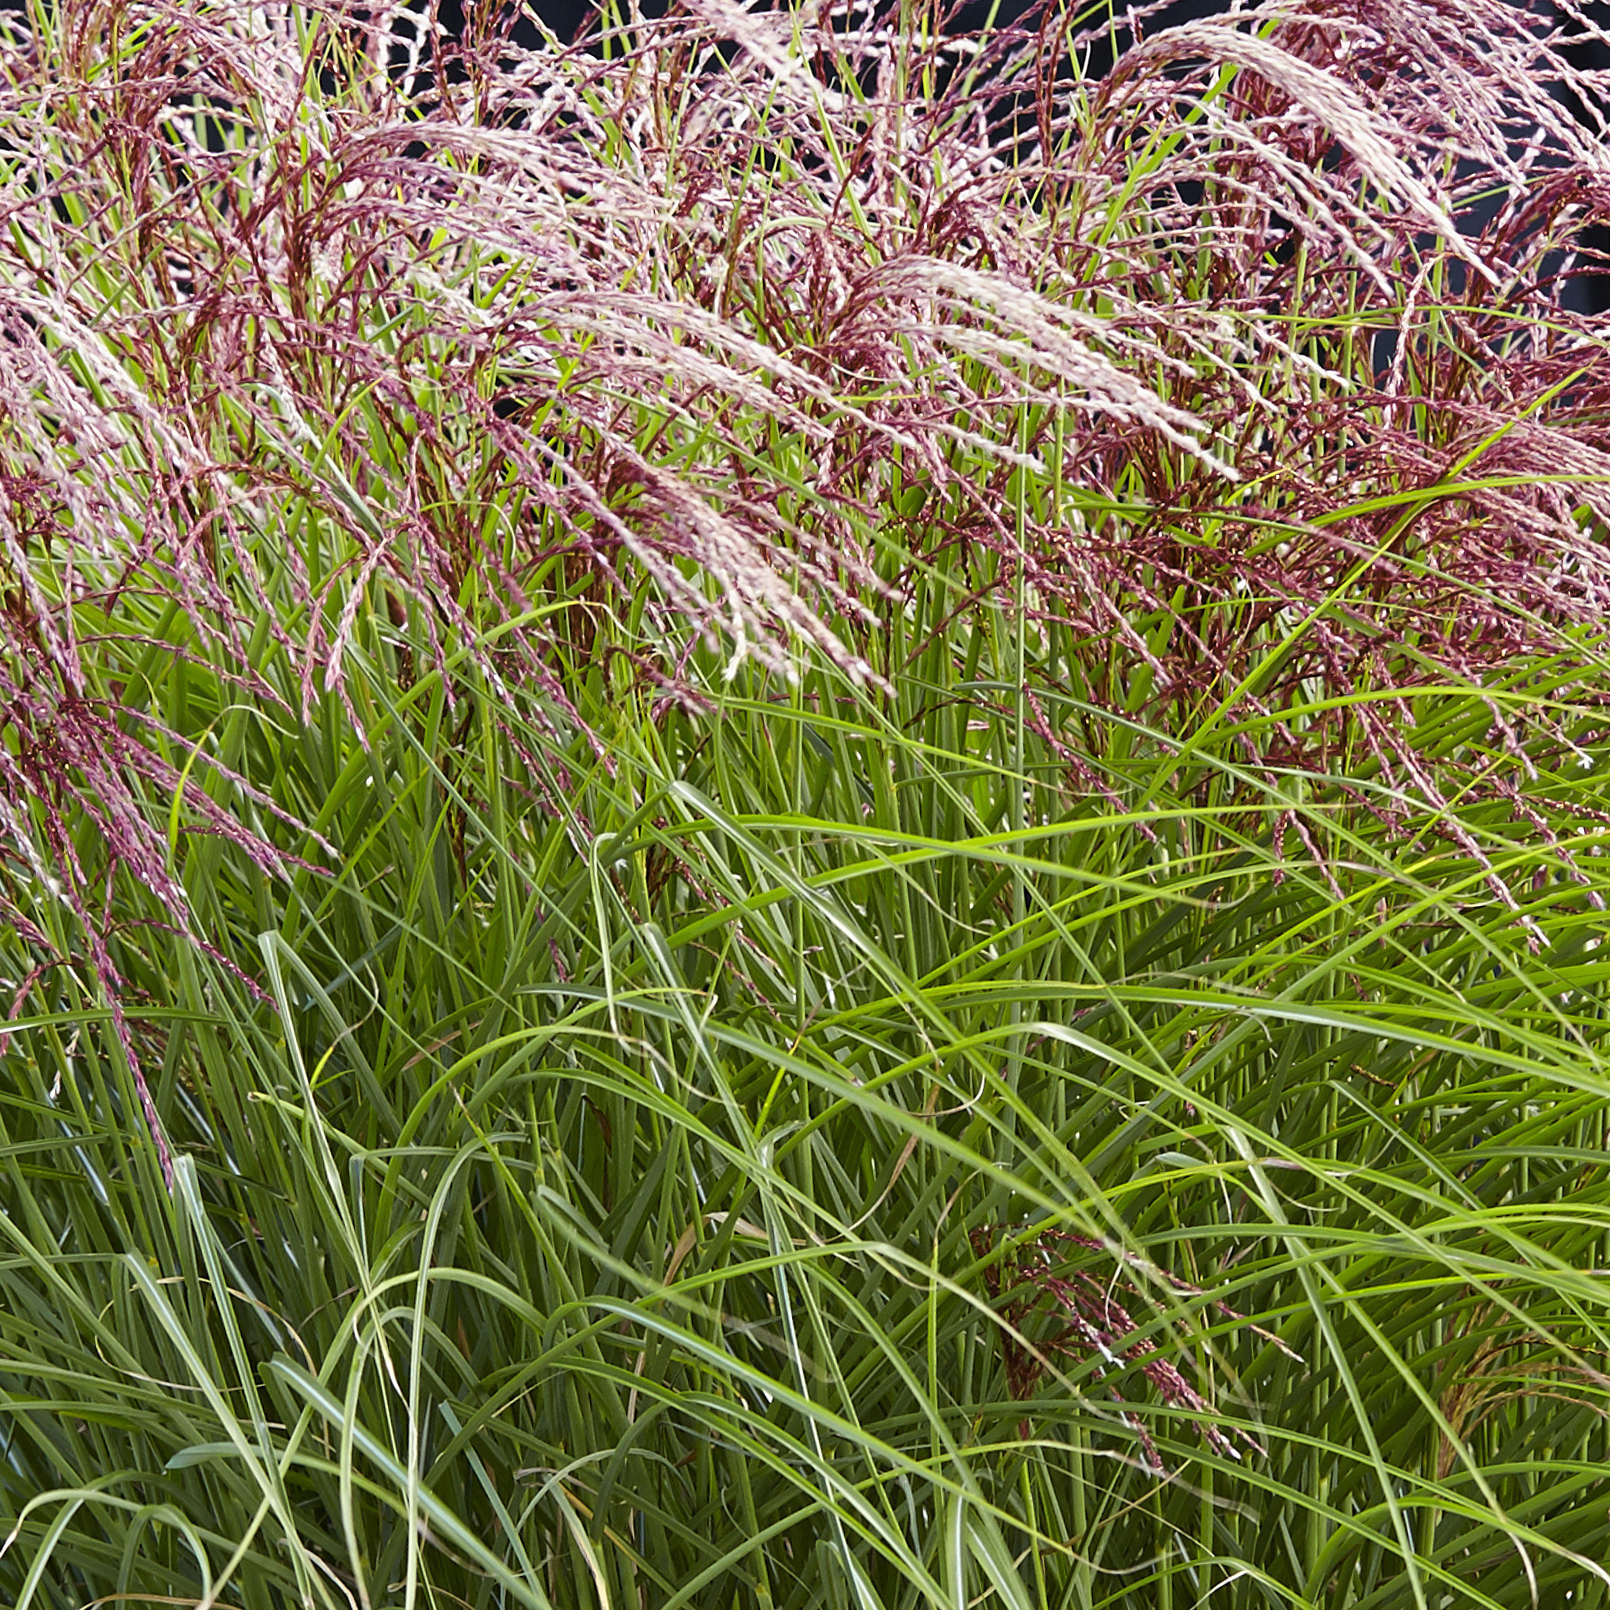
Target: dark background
x,y
572,19
568,17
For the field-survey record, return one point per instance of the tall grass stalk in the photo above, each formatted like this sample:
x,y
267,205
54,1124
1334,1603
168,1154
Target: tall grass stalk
x,y
798,813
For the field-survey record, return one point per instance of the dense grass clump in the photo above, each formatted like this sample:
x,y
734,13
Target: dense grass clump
x,y
801,814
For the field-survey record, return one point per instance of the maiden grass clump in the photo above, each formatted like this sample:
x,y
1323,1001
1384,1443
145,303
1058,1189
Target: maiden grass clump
x,y
803,813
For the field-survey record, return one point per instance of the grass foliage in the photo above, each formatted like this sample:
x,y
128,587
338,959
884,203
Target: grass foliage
x,y
798,814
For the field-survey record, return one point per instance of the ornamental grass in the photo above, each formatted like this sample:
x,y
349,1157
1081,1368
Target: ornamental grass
x,y
797,811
